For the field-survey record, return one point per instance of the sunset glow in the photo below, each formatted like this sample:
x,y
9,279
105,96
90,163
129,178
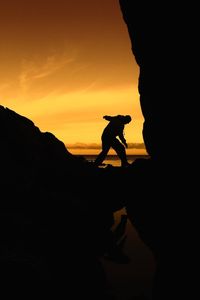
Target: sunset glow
x,y
65,64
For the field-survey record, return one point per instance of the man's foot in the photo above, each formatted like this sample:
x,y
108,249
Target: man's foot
x,y
97,164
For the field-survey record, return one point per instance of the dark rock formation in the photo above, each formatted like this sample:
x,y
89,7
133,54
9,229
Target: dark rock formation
x,y
47,242
162,50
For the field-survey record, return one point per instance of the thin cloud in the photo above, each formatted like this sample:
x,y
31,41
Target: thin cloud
x,y
136,146
32,71
98,146
51,66
89,87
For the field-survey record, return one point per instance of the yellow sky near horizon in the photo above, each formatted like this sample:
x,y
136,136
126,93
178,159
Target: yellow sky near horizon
x,y
65,64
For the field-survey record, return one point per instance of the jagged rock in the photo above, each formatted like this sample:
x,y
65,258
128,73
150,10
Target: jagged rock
x,y
160,47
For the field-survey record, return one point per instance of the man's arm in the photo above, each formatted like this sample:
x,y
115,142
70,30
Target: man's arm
x,y
108,118
123,140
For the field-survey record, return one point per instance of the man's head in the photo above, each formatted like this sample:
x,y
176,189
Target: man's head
x,y
127,119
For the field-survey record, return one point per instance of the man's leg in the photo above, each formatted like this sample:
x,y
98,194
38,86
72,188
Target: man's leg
x,y
102,155
120,150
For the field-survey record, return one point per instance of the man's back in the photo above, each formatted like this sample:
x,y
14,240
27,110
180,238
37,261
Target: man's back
x,y
115,127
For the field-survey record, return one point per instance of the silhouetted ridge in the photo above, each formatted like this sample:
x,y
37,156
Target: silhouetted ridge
x,y
24,137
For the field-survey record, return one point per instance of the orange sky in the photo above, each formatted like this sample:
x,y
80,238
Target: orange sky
x,y
65,64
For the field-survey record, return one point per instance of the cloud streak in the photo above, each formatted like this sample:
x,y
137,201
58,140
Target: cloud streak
x,y
98,146
32,71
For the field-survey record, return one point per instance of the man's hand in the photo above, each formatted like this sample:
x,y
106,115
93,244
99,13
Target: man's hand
x,y
125,144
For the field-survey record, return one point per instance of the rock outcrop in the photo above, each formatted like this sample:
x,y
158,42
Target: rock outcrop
x,y
162,51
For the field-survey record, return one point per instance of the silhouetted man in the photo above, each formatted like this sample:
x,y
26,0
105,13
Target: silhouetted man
x,y
109,139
